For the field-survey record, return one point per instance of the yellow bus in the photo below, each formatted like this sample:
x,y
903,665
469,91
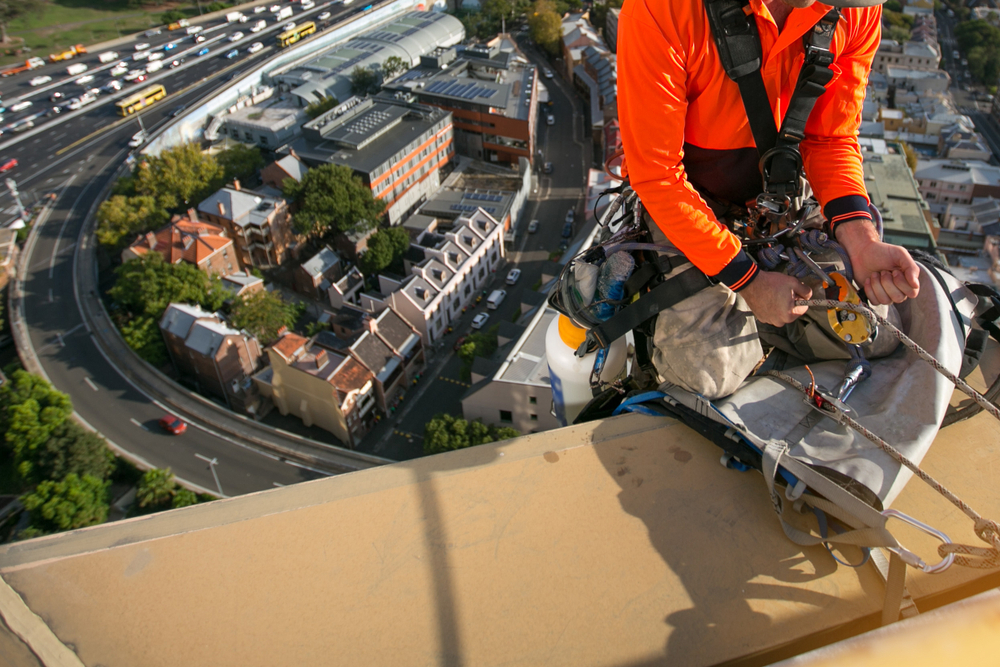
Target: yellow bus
x,y
289,37
129,105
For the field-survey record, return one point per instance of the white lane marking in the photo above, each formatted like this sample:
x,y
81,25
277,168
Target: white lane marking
x,y
277,483
69,214
138,423
90,383
78,326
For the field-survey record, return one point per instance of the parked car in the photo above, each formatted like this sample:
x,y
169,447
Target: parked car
x,y
550,119
255,47
459,343
40,80
570,215
547,72
236,36
567,230
232,54
324,16
142,46
204,52
532,226
513,276
479,320
547,168
8,164
173,425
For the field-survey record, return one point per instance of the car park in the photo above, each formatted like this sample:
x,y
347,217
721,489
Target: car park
x,y
7,165
40,81
532,226
550,119
142,46
324,16
173,425
21,106
204,52
567,230
232,54
548,168
479,320
255,47
513,276
236,36
570,215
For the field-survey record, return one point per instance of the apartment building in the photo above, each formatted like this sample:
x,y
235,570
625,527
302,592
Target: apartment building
x,y
945,181
346,290
491,94
315,276
397,148
389,347
259,224
186,239
276,173
915,55
446,272
611,29
219,359
322,388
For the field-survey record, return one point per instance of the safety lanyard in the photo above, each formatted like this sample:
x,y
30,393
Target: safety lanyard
x,y
734,30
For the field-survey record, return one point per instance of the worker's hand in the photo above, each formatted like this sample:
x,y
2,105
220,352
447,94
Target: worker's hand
x,y
772,297
886,272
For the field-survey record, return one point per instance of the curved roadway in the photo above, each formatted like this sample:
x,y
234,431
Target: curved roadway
x,y
75,157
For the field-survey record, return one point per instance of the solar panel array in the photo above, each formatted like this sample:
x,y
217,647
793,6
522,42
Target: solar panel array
x,y
469,209
466,91
369,122
481,197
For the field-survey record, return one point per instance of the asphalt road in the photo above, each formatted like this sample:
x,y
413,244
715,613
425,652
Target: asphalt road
x,y
53,161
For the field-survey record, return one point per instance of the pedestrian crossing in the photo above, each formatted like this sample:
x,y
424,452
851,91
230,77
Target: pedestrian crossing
x,y
458,382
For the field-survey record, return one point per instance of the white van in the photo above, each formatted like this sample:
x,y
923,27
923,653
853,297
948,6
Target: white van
x,y
78,68
154,66
108,56
194,30
495,299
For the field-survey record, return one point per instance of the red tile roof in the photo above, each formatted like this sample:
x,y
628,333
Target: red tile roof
x,y
288,344
184,239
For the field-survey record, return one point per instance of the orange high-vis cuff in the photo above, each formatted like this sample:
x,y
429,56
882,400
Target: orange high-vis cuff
x,y
685,131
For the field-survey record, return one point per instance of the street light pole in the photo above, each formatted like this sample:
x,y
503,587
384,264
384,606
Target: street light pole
x,y
12,186
211,464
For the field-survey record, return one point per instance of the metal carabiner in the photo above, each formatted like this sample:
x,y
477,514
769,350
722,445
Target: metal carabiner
x,y
913,559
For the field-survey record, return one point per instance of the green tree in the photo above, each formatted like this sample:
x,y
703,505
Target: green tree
x,y
69,449
911,156
385,248
179,176
183,498
147,285
321,106
445,432
156,489
393,66
240,162
142,334
120,219
364,81
72,502
172,15
599,12
545,26
31,411
216,6
13,9
332,199
263,314
479,344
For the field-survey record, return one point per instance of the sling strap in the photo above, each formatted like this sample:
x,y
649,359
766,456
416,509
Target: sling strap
x,y
734,30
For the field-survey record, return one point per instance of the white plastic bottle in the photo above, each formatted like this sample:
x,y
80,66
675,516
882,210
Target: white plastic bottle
x,y
569,374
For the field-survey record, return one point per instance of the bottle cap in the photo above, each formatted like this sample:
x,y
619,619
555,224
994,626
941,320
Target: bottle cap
x,y
571,334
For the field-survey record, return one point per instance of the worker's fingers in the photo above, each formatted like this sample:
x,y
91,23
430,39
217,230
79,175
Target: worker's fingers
x,y
888,282
801,290
873,289
911,278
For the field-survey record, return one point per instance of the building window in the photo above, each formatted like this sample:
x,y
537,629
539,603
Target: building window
x,y
532,400
263,140
506,417
534,418
468,288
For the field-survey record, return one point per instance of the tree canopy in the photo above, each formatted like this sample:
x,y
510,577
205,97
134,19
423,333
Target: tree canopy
x,y
364,81
445,432
72,502
263,314
320,107
545,26
599,12
179,177
980,42
120,219
69,449
30,413
394,66
240,162
158,490
385,248
330,199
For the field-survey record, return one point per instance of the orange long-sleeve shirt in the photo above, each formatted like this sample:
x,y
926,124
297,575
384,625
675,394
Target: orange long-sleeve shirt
x,y
683,123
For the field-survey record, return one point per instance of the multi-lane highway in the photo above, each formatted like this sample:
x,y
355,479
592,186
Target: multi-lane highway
x,y
73,155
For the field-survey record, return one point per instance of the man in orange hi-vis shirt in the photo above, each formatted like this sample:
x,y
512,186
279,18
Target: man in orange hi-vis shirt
x,y
686,134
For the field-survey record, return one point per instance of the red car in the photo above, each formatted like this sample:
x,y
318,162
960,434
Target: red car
x,y
459,343
8,165
172,425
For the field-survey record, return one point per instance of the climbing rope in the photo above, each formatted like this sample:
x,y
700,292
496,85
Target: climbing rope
x,y
986,529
